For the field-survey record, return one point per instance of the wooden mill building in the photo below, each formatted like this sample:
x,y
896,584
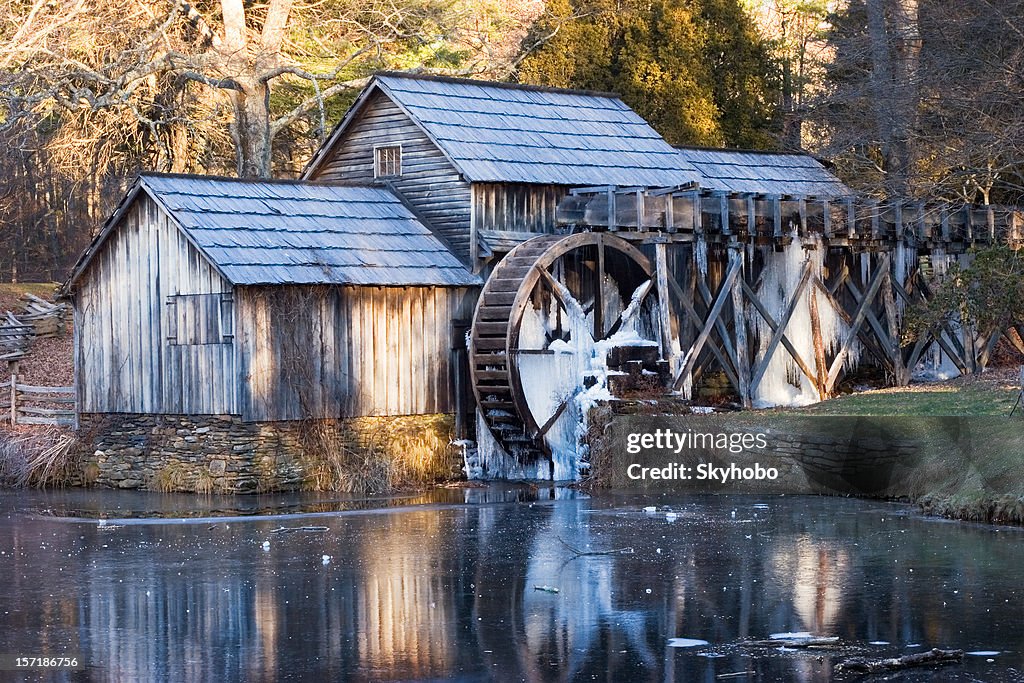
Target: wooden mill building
x,y
215,315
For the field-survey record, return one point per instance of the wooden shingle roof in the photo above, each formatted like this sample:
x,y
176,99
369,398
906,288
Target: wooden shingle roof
x,y
494,132
770,173
275,233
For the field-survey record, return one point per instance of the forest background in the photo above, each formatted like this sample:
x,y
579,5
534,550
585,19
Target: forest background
x,y
912,98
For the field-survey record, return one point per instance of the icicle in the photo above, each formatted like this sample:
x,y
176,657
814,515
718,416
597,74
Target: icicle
x,y
783,382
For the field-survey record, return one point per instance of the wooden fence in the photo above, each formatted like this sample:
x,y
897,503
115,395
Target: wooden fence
x,y
27,404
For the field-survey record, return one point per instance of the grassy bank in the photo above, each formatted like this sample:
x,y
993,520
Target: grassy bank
x,y
981,477
950,447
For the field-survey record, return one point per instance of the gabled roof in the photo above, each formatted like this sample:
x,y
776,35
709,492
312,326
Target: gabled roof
x,y
260,232
779,173
495,132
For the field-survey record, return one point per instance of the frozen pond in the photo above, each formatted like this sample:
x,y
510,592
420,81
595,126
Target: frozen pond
x,y
460,584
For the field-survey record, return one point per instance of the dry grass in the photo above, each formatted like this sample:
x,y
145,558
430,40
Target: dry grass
x,y
171,477
39,458
393,458
204,482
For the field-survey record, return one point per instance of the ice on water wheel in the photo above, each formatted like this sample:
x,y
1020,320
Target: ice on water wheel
x,y
541,317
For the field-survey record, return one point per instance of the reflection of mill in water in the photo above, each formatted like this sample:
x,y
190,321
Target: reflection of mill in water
x,y
585,628
819,571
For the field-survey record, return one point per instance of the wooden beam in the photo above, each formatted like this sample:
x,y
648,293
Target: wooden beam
x,y
742,357
901,375
723,331
599,300
664,304
776,203
851,217
858,319
613,218
751,216
779,330
698,323
820,367
724,293
723,212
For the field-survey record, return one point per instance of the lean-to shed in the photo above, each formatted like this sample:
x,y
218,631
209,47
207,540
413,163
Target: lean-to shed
x,y
266,300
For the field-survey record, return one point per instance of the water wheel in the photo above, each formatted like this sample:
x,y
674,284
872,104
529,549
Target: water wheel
x,y
548,314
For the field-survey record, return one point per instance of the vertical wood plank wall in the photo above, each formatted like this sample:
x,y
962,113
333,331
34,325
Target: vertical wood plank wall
x,y
347,351
124,360
515,207
429,182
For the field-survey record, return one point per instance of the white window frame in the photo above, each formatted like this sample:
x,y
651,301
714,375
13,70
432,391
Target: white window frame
x,y
378,166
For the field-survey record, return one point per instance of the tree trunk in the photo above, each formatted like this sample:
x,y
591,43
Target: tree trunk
x,y
251,130
895,61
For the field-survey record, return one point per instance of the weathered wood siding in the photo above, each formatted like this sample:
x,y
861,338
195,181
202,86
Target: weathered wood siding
x,y
429,182
516,208
125,361
348,351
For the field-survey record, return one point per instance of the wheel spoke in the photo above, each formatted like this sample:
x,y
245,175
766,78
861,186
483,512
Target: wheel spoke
x,y
630,309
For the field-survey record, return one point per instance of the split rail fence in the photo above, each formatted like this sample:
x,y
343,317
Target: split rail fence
x,y
27,404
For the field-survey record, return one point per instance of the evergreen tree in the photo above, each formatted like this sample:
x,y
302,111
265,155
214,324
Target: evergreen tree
x,y
696,69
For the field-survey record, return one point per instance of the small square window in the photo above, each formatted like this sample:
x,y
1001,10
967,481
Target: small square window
x,y
387,161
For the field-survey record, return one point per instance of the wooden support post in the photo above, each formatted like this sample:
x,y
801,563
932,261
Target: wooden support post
x,y
613,219
902,377
851,217
14,398
670,218
723,212
875,218
826,215
776,202
751,216
968,224
897,214
668,347
742,359
970,351
944,223
802,211
923,231
988,348
698,213
599,302
820,369
639,210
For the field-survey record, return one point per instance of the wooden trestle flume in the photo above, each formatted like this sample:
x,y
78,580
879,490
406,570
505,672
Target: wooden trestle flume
x,y
767,291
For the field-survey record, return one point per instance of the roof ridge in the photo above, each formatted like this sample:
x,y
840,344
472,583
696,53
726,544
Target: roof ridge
x,y
261,181
744,150
496,84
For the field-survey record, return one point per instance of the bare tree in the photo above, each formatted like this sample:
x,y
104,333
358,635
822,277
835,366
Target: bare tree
x,y
61,54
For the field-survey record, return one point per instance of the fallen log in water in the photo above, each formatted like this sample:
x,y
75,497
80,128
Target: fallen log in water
x,y
797,642
872,666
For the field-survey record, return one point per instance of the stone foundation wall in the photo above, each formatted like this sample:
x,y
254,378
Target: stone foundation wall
x,y
223,454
